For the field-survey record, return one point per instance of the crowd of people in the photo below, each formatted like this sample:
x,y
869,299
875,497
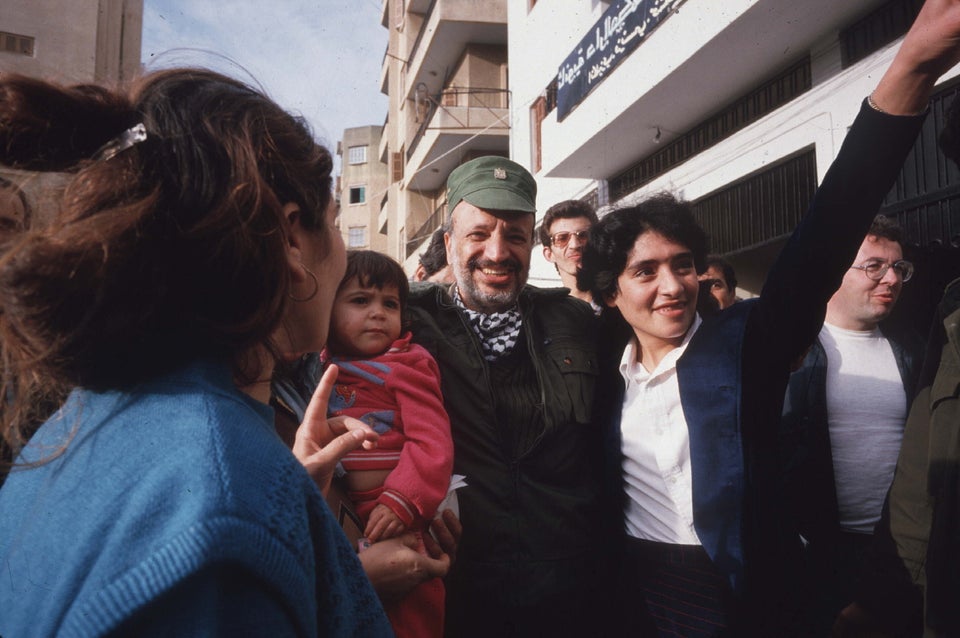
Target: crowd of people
x,y
217,421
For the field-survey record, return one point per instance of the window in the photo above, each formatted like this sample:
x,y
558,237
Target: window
x,y
761,207
357,155
450,96
551,97
541,108
356,237
537,113
13,43
396,165
926,196
749,108
887,23
358,194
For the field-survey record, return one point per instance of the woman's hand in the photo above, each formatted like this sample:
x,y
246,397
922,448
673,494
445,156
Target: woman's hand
x,y
395,567
321,442
930,49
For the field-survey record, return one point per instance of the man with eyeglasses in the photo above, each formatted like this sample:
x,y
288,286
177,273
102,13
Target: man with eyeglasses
x,y
845,410
564,232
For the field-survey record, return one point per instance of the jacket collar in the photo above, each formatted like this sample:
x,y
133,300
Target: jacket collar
x,y
442,295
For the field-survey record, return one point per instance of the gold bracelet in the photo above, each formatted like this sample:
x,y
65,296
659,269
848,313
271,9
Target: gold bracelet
x,y
876,108
873,104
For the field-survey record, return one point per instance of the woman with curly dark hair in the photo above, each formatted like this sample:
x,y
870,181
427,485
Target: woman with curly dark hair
x,y
691,405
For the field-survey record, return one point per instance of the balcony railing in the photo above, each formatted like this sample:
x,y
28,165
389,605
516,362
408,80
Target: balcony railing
x,y
433,222
464,108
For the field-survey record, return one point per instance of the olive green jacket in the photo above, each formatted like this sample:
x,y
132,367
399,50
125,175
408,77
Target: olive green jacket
x,y
924,500
528,514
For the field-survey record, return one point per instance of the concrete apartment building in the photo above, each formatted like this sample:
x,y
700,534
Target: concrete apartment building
x,y
71,42
361,187
739,106
445,73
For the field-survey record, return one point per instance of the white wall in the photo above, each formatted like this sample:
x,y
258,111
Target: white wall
x,y
540,40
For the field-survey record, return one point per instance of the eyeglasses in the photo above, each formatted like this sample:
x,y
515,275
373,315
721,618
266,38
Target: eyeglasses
x,y
876,269
560,240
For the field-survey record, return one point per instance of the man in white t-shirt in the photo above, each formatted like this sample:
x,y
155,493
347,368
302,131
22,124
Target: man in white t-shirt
x,y
844,414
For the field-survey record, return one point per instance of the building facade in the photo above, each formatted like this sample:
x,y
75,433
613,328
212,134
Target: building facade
x,y
445,74
72,42
739,106
360,188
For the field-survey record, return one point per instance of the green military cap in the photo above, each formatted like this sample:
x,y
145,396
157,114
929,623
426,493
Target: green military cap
x,y
492,183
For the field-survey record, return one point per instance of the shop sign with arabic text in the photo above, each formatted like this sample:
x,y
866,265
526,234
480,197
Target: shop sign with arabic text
x,y
619,31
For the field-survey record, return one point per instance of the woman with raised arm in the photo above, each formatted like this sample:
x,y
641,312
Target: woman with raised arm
x,y
194,243
691,405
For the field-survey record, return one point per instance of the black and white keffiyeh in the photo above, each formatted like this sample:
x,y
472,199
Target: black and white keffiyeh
x,y
498,331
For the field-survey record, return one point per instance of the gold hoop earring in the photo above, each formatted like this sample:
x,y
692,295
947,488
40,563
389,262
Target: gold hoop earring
x,y
316,287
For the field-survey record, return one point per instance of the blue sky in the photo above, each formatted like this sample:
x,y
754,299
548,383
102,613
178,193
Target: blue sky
x,y
320,59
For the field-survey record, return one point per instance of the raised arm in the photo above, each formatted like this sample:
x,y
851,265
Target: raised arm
x,y
812,263
930,49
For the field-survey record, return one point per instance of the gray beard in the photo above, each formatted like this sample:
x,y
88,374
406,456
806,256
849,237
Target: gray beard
x,y
480,301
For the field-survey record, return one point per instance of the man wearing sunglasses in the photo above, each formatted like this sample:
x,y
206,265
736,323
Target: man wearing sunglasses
x,y
564,232
845,410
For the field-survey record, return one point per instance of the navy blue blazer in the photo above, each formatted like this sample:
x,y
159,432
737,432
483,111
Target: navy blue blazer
x,y
735,369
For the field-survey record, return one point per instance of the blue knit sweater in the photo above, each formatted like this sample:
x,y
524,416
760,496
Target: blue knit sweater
x,y
174,510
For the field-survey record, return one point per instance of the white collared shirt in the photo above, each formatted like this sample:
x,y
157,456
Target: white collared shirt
x,y
656,449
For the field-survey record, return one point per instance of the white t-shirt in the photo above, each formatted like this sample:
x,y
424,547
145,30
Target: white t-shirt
x,y
866,410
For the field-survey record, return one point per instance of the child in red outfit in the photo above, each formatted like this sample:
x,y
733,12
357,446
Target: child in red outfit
x,y
394,386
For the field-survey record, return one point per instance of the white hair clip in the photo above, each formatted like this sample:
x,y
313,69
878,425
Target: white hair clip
x,y
130,137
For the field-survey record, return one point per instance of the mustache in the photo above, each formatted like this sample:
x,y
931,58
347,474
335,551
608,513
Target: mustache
x,y
475,263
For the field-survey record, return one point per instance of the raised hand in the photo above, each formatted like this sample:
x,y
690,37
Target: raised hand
x,y
930,49
321,442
